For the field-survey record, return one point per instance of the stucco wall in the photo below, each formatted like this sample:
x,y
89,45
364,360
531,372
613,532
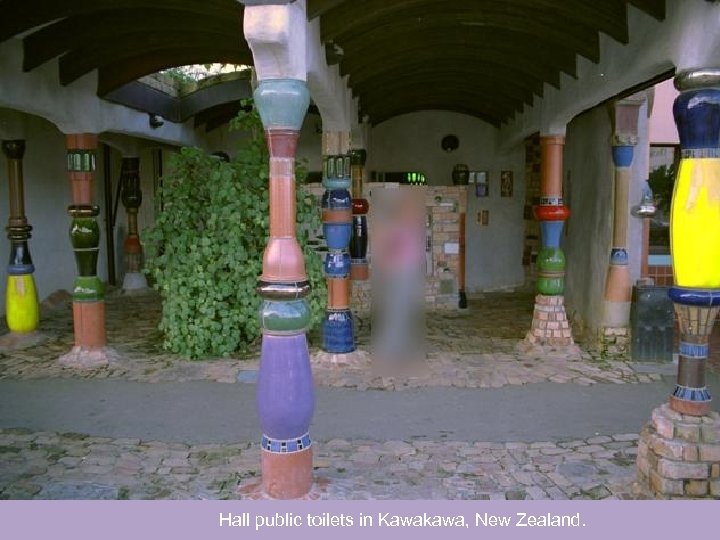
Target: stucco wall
x,y
309,144
588,234
47,196
412,142
589,190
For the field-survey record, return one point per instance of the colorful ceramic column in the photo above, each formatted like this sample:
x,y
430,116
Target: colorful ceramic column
x,y
21,301
359,268
285,395
88,292
550,325
131,196
618,287
695,232
337,217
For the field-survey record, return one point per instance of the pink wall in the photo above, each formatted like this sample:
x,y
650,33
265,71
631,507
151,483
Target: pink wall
x,y
662,126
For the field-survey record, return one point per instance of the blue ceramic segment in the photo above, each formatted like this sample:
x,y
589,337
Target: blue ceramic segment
x,y
282,103
336,167
285,395
691,394
622,155
693,350
337,332
337,264
278,446
285,317
336,183
247,376
618,256
551,231
336,199
337,235
697,115
695,297
20,269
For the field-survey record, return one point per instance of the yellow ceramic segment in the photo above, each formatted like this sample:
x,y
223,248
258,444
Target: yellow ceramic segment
x,y
21,304
695,224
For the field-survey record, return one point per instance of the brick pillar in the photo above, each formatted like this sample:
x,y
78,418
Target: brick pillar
x,y
285,395
21,301
550,325
338,335
618,287
679,451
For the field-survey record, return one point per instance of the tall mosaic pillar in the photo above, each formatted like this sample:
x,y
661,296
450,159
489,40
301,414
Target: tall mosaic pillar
x,y
550,325
679,452
618,287
285,395
88,291
337,217
131,196
695,232
359,268
21,301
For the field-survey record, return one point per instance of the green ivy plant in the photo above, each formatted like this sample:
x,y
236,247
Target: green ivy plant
x,y
204,251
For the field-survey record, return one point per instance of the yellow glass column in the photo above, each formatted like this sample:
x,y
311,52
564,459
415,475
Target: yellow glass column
x,y
21,300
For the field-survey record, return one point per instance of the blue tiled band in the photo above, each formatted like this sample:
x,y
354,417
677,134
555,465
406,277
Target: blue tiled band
x,y
20,269
693,350
695,297
619,256
622,155
288,446
699,153
691,394
551,201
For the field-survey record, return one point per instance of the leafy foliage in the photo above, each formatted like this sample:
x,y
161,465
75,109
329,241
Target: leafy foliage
x,y
662,182
205,249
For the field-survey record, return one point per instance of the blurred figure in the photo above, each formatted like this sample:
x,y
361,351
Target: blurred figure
x,y
398,281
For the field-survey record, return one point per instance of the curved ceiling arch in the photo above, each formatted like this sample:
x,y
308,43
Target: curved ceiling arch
x,y
504,50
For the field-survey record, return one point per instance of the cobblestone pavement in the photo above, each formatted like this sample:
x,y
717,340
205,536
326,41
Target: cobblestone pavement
x,y
474,348
44,465
477,348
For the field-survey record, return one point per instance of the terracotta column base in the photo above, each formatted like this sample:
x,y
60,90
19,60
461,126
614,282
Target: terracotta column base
x,y
690,408
89,324
679,455
89,358
550,325
286,475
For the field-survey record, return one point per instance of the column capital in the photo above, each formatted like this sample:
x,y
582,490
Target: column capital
x,y
552,139
81,141
624,114
277,36
13,149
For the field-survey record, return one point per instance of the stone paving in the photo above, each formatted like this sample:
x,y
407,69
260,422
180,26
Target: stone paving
x,y
481,347
478,348
44,465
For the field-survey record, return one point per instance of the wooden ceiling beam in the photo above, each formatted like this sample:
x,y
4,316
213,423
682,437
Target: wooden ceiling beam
x,y
406,44
566,28
517,91
78,62
55,39
129,69
463,60
654,8
317,8
20,16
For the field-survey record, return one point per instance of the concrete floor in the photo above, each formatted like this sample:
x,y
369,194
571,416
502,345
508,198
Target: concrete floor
x,y
204,411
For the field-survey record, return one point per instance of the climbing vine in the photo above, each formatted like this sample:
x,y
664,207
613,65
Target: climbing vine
x,y
204,251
